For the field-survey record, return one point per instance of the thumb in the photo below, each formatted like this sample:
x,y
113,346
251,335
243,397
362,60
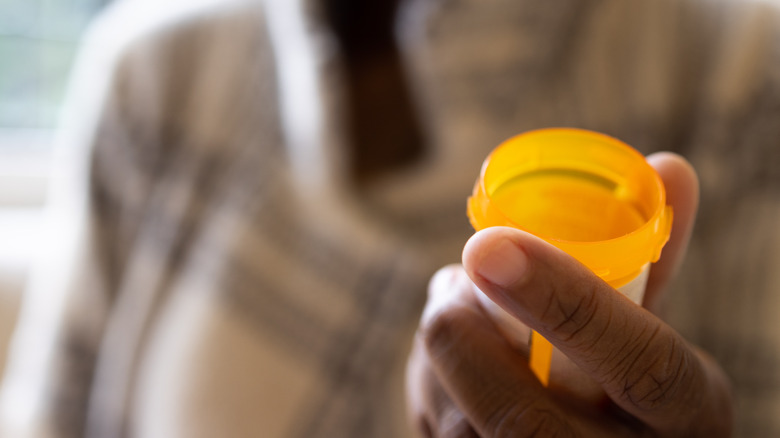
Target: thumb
x,y
644,366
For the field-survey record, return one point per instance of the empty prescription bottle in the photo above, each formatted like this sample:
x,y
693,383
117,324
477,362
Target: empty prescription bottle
x,y
588,194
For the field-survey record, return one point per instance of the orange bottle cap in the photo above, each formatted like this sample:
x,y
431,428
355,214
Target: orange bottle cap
x,y
588,194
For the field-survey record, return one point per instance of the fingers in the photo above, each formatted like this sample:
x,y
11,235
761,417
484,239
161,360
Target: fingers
x,y
489,388
644,366
488,380
431,410
682,193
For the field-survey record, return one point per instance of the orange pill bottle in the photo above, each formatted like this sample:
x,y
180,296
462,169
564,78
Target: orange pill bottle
x,y
589,194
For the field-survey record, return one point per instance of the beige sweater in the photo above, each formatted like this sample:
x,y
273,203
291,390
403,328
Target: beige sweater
x,y
218,275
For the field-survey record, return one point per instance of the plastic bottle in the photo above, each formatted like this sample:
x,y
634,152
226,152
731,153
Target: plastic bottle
x,y
590,195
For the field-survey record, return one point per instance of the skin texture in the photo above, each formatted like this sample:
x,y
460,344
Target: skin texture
x,y
620,370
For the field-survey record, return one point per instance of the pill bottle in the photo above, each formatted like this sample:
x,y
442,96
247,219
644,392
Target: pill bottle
x,y
588,194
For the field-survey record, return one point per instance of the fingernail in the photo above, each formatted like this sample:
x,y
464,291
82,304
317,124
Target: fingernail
x,y
505,264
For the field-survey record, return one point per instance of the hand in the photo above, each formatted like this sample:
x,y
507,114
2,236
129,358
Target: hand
x,y
625,372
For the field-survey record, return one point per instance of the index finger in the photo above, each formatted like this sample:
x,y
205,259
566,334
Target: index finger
x,y
643,364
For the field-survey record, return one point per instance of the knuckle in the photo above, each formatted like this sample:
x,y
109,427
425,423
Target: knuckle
x,y
445,329
530,421
421,425
659,376
445,277
570,320
453,424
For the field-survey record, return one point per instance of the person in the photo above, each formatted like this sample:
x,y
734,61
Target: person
x,y
264,191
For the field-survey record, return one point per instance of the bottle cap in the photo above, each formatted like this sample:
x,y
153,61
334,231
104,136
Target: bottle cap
x,y
589,194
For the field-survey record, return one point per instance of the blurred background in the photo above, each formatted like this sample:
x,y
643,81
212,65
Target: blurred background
x,y
38,42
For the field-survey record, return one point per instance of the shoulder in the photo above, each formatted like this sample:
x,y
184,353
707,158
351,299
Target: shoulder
x,y
154,80
128,26
174,64
159,43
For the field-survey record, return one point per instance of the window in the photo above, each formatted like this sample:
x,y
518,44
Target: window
x,y
38,40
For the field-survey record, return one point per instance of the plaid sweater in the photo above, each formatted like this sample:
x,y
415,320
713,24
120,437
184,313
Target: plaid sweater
x,y
215,271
